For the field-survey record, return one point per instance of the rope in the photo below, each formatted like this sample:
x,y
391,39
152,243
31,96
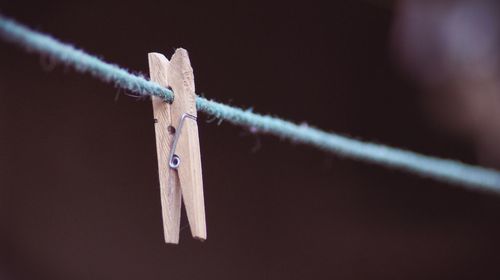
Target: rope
x,y
469,176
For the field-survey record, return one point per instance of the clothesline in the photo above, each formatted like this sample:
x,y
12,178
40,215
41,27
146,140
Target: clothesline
x,y
466,175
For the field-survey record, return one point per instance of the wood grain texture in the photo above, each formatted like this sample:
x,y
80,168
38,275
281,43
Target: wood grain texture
x,y
170,191
181,79
186,180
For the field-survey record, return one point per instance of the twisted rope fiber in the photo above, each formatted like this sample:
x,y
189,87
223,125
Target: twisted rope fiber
x,y
469,176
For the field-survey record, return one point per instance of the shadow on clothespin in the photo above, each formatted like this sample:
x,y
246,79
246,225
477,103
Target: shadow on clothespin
x,y
178,146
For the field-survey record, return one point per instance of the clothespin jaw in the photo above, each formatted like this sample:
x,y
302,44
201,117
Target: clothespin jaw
x,y
178,147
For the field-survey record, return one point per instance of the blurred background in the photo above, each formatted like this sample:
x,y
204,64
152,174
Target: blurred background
x,y
79,192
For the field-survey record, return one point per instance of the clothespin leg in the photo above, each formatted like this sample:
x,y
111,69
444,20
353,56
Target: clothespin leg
x,y
170,190
181,79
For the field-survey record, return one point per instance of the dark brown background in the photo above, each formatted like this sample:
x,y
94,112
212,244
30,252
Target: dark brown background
x,y
79,196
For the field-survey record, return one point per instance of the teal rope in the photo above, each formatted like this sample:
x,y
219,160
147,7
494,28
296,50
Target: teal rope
x,y
469,176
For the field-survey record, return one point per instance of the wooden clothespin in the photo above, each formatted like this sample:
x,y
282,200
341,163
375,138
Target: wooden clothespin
x,y
178,146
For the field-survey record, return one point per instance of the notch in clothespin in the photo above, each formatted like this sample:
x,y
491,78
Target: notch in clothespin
x,y
178,146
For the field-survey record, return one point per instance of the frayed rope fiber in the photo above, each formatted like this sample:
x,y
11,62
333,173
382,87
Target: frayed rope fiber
x,y
466,175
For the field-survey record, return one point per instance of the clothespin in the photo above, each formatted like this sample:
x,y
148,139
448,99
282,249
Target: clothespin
x,y
178,146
